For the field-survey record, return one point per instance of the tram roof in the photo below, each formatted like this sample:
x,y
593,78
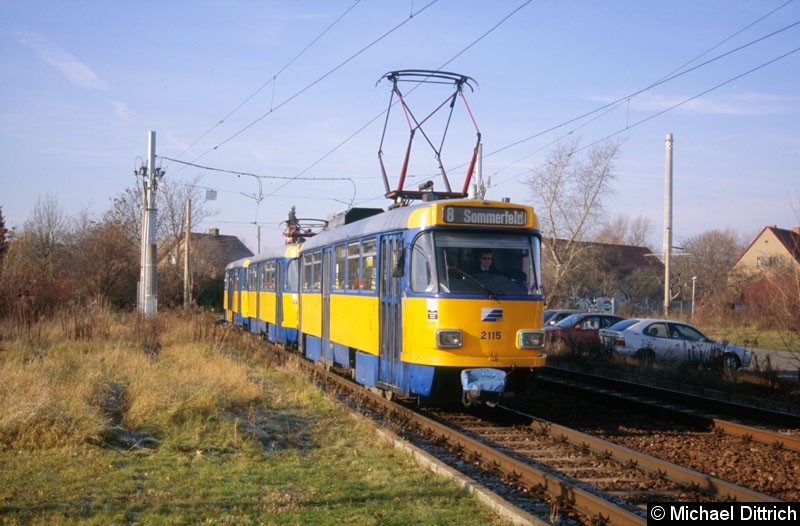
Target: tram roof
x,y
395,220
281,251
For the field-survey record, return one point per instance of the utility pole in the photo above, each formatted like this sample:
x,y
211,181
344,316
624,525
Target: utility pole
x,y
667,220
148,282
187,274
480,187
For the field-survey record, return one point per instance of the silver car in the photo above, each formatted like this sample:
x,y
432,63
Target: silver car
x,y
648,339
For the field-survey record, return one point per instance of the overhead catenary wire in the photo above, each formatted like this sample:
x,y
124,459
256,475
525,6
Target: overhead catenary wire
x,y
687,100
642,90
382,113
605,108
613,105
271,80
260,196
317,80
682,102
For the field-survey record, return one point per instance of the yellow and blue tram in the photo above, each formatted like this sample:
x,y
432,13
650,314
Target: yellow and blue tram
x,y
399,299
261,294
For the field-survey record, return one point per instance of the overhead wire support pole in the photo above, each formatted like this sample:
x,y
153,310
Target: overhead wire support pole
x,y
667,221
148,296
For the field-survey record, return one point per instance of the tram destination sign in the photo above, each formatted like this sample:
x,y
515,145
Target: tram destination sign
x,y
475,215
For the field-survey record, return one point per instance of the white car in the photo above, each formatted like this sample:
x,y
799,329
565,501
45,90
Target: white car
x,y
648,339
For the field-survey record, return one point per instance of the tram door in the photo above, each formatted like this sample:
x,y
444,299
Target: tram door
x,y
390,307
326,353
239,277
256,283
279,336
229,293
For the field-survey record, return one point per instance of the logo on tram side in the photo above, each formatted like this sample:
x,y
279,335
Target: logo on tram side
x,y
475,215
490,314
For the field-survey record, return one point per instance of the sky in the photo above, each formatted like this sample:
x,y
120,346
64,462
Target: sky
x,y
275,104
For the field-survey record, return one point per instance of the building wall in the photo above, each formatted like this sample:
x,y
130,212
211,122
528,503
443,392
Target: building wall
x,y
766,251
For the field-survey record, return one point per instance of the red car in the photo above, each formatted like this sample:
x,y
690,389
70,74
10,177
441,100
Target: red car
x,y
579,328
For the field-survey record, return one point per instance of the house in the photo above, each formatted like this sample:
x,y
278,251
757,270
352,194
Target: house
x,y
210,254
625,273
762,271
772,247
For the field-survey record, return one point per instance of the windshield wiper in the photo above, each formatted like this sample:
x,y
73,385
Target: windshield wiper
x,y
472,279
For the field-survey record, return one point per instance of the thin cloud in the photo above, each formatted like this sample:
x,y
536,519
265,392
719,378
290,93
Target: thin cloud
x,y
76,71
122,110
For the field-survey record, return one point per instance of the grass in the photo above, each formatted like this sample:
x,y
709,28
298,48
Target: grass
x,y
753,337
180,421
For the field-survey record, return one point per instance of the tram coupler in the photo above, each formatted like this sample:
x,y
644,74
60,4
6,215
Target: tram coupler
x,y
482,386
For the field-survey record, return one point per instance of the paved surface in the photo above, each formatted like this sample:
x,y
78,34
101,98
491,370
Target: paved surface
x,y
787,363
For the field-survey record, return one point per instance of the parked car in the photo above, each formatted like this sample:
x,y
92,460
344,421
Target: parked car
x,y
580,328
648,339
553,316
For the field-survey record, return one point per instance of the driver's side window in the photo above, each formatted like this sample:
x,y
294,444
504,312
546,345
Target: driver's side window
x,y
657,330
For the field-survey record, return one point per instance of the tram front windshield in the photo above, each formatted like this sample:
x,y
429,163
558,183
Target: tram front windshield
x,y
466,263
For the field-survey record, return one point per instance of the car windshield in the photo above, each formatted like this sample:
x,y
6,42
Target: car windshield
x,y
622,325
549,314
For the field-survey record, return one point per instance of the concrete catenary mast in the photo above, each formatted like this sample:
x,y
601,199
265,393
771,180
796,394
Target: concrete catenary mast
x,y
148,282
667,220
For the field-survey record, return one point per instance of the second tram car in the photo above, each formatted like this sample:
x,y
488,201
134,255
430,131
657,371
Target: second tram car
x,y
261,294
402,301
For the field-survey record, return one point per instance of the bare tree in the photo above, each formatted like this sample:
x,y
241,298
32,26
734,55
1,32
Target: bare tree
x,y
708,257
126,209
33,270
104,263
622,230
568,190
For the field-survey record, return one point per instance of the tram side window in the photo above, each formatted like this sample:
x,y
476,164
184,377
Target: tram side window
x,y
317,266
252,280
339,267
270,276
310,280
353,253
422,265
292,276
369,262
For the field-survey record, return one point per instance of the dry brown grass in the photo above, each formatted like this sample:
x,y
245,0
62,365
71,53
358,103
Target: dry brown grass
x,y
82,377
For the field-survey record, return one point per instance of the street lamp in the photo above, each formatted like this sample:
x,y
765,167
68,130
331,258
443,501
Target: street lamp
x,y
694,281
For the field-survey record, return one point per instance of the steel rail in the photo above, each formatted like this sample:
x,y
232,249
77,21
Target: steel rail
x,y
515,471
702,482
622,390
762,436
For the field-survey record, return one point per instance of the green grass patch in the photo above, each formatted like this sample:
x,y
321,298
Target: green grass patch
x,y
753,337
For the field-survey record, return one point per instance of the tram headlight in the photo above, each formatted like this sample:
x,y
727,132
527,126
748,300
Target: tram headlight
x,y
530,339
449,339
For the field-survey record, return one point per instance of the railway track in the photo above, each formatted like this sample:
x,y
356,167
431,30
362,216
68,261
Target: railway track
x,y
571,474
764,425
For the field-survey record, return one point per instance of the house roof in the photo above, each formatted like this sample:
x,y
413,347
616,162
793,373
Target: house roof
x,y
627,256
224,248
790,239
